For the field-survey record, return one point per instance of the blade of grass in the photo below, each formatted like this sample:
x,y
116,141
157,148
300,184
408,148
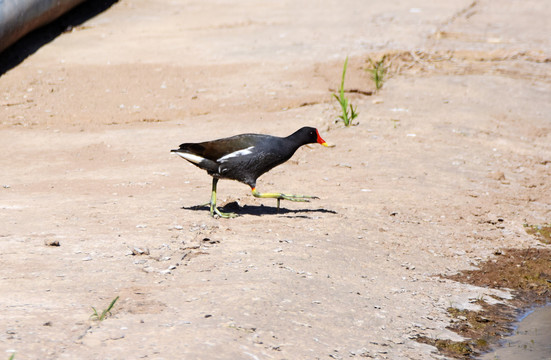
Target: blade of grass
x,y
348,114
378,72
104,313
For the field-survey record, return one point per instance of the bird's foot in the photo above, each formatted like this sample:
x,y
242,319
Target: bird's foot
x,y
292,197
214,211
280,196
224,215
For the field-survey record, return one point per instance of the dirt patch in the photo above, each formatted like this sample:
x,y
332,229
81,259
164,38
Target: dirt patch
x,y
526,271
541,232
512,63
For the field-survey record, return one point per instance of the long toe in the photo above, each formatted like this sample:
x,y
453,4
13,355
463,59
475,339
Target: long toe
x,y
223,214
302,198
280,196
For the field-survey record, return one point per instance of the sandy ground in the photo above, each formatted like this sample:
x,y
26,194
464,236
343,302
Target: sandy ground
x,y
447,163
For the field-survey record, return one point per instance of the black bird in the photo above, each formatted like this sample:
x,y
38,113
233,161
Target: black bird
x,y
245,157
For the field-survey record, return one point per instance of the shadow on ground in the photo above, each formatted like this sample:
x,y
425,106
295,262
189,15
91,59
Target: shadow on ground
x,y
259,210
30,43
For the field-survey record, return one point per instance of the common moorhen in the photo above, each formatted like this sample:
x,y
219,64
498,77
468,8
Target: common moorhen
x,y
245,157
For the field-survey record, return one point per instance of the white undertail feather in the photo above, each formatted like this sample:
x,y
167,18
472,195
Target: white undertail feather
x,y
196,159
242,152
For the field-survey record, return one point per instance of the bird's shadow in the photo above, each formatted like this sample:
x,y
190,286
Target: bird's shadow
x,y
259,210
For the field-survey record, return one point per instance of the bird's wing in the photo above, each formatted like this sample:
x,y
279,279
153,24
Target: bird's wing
x,y
217,149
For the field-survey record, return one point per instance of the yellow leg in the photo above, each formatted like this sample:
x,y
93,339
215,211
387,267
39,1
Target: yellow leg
x,y
280,196
213,208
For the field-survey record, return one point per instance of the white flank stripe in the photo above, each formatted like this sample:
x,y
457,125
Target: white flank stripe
x,y
191,157
242,152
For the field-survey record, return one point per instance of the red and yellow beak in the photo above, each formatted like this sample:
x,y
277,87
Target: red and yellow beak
x,y
321,141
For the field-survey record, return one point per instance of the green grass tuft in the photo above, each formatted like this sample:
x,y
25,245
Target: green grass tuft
x,y
348,111
103,315
378,72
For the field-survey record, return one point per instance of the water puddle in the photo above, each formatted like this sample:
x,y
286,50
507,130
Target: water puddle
x,y
530,341
527,274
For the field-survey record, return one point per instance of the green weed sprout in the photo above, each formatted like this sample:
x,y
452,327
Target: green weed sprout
x,y
103,315
378,72
348,111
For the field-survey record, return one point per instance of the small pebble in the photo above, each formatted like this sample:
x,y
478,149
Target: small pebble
x,y
51,243
138,251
